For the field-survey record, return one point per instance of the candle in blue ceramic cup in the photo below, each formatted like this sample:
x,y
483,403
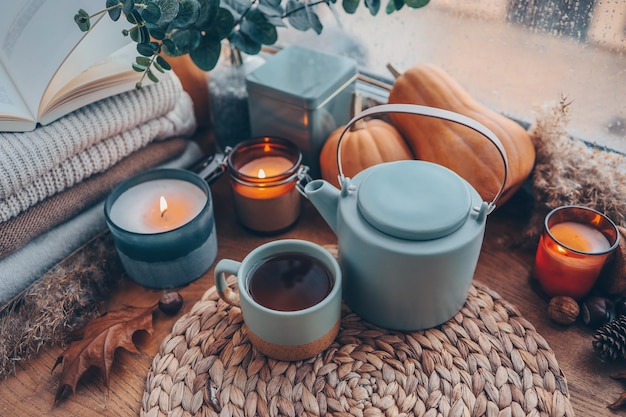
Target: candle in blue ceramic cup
x,y
163,227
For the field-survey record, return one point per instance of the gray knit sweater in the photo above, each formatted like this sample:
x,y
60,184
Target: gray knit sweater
x,y
35,165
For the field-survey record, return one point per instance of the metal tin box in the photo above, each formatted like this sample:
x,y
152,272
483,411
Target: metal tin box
x,y
301,95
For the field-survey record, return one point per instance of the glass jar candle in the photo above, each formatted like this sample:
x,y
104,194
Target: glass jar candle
x,y
575,244
264,173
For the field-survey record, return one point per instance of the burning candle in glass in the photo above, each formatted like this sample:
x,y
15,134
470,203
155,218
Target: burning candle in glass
x,y
163,227
573,248
264,173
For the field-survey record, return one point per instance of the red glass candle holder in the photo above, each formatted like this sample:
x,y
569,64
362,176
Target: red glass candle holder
x,y
264,173
575,244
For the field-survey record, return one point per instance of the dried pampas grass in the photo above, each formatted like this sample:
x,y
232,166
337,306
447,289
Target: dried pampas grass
x,y
569,172
59,302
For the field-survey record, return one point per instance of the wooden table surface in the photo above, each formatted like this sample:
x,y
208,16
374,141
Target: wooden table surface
x,y
31,391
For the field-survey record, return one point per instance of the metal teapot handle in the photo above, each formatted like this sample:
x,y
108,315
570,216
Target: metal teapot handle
x,y
436,113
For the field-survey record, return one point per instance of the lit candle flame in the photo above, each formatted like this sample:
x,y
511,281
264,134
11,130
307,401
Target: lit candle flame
x,y
561,249
163,205
261,173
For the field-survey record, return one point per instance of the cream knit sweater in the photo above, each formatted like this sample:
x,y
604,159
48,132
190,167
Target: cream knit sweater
x,y
35,165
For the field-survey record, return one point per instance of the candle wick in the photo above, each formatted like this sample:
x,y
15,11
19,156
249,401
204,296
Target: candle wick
x,y
163,212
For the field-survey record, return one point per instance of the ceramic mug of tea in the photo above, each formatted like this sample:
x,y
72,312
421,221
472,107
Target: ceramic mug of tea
x,y
289,292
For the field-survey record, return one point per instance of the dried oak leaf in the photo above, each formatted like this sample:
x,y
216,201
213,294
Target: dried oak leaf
x,y
101,338
619,403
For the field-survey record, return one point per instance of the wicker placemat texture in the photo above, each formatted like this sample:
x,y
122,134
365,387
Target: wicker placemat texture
x,y
485,361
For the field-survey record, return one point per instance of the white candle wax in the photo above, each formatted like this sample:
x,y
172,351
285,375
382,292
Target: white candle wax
x,y
138,208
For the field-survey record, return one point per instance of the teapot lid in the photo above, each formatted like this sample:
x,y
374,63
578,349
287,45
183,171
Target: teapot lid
x,y
414,200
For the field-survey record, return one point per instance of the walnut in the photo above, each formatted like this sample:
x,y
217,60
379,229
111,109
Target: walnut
x,y
563,310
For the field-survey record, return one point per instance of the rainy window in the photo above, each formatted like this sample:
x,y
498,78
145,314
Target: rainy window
x,y
513,56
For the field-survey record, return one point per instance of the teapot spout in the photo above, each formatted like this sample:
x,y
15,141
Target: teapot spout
x,y
325,198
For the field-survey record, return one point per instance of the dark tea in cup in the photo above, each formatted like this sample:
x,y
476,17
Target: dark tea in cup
x,y
289,282
289,293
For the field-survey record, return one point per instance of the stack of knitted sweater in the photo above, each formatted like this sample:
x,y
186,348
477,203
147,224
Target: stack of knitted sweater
x,y
53,180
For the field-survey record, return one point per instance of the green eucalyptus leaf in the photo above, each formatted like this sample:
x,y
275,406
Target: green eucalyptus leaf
x,y
157,33
182,42
139,68
350,6
238,6
256,26
394,5
134,17
271,11
162,62
151,13
139,34
314,20
169,9
143,60
223,25
373,6
188,13
244,43
206,55
277,21
148,48
297,16
115,9
416,4
207,14
135,34
271,3
127,6
152,77
168,47
158,67
82,20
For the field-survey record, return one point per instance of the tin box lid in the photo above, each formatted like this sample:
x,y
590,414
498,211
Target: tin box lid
x,y
414,200
302,77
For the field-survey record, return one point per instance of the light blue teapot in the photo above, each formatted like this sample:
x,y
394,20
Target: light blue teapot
x,y
409,232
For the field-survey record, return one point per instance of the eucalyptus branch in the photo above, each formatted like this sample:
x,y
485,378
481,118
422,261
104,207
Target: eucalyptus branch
x,y
108,9
197,27
147,73
252,3
304,6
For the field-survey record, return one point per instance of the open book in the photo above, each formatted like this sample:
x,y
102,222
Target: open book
x,y
49,68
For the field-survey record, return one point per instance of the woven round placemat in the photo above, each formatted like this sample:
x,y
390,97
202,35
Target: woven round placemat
x,y
485,361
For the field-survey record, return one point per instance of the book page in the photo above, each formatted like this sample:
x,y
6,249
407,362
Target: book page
x,y
36,36
105,38
14,115
114,74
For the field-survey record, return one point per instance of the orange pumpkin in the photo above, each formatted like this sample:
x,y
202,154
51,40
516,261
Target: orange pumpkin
x,y
366,143
461,149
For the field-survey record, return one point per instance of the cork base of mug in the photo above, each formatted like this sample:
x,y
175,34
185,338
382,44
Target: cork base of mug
x,y
294,353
